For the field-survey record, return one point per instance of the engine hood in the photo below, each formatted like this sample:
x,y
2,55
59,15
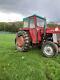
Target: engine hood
x,y
53,30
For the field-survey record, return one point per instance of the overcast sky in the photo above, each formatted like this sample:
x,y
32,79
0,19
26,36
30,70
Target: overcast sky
x,y
17,9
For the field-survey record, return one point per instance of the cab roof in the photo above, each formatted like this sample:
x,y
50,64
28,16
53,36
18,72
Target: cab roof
x,y
35,16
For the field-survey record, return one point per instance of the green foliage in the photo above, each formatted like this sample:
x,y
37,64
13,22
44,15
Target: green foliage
x,y
11,26
53,25
31,65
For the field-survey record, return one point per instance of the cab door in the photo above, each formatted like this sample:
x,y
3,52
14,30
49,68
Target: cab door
x,y
33,30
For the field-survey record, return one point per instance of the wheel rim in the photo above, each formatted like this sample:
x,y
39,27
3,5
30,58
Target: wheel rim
x,y
20,41
48,50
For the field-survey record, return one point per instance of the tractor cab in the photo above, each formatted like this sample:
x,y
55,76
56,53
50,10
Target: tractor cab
x,y
34,21
36,26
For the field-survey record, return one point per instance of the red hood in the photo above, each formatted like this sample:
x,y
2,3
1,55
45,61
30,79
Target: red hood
x,y
53,30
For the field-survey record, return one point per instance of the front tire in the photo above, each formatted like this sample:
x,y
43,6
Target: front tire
x,y
22,41
49,49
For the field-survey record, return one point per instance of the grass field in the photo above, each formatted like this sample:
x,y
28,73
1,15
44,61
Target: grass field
x,y
30,65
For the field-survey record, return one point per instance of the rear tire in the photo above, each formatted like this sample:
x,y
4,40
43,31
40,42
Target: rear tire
x,y
49,49
22,41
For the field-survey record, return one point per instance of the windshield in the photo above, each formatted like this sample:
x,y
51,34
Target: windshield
x,y
40,22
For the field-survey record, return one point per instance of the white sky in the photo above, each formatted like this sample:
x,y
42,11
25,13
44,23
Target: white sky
x,y
14,10
10,17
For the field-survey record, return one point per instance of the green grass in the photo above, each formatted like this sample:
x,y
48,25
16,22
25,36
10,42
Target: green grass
x,y
30,65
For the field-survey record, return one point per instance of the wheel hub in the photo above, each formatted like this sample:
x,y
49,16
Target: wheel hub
x,y
48,50
20,41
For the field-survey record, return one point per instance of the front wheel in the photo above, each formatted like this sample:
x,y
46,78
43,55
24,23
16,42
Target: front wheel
x,y
49,49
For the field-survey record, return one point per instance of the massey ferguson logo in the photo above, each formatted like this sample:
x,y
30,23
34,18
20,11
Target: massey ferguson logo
x,y
56,29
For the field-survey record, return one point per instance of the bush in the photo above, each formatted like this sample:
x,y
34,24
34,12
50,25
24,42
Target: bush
x,y
11,26
52,25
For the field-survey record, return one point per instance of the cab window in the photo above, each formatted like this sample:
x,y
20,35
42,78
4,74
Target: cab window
x,y
32,25
40,22
26,22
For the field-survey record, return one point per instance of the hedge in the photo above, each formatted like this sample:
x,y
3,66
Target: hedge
x,y
11,26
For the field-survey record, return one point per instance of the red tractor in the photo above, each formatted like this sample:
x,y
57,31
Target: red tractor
x,y
36,33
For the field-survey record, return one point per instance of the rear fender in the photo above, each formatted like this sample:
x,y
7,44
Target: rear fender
x,y
32,33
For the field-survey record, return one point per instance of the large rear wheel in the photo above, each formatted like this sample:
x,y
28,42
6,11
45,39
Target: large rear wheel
x,y
22,41
49,49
